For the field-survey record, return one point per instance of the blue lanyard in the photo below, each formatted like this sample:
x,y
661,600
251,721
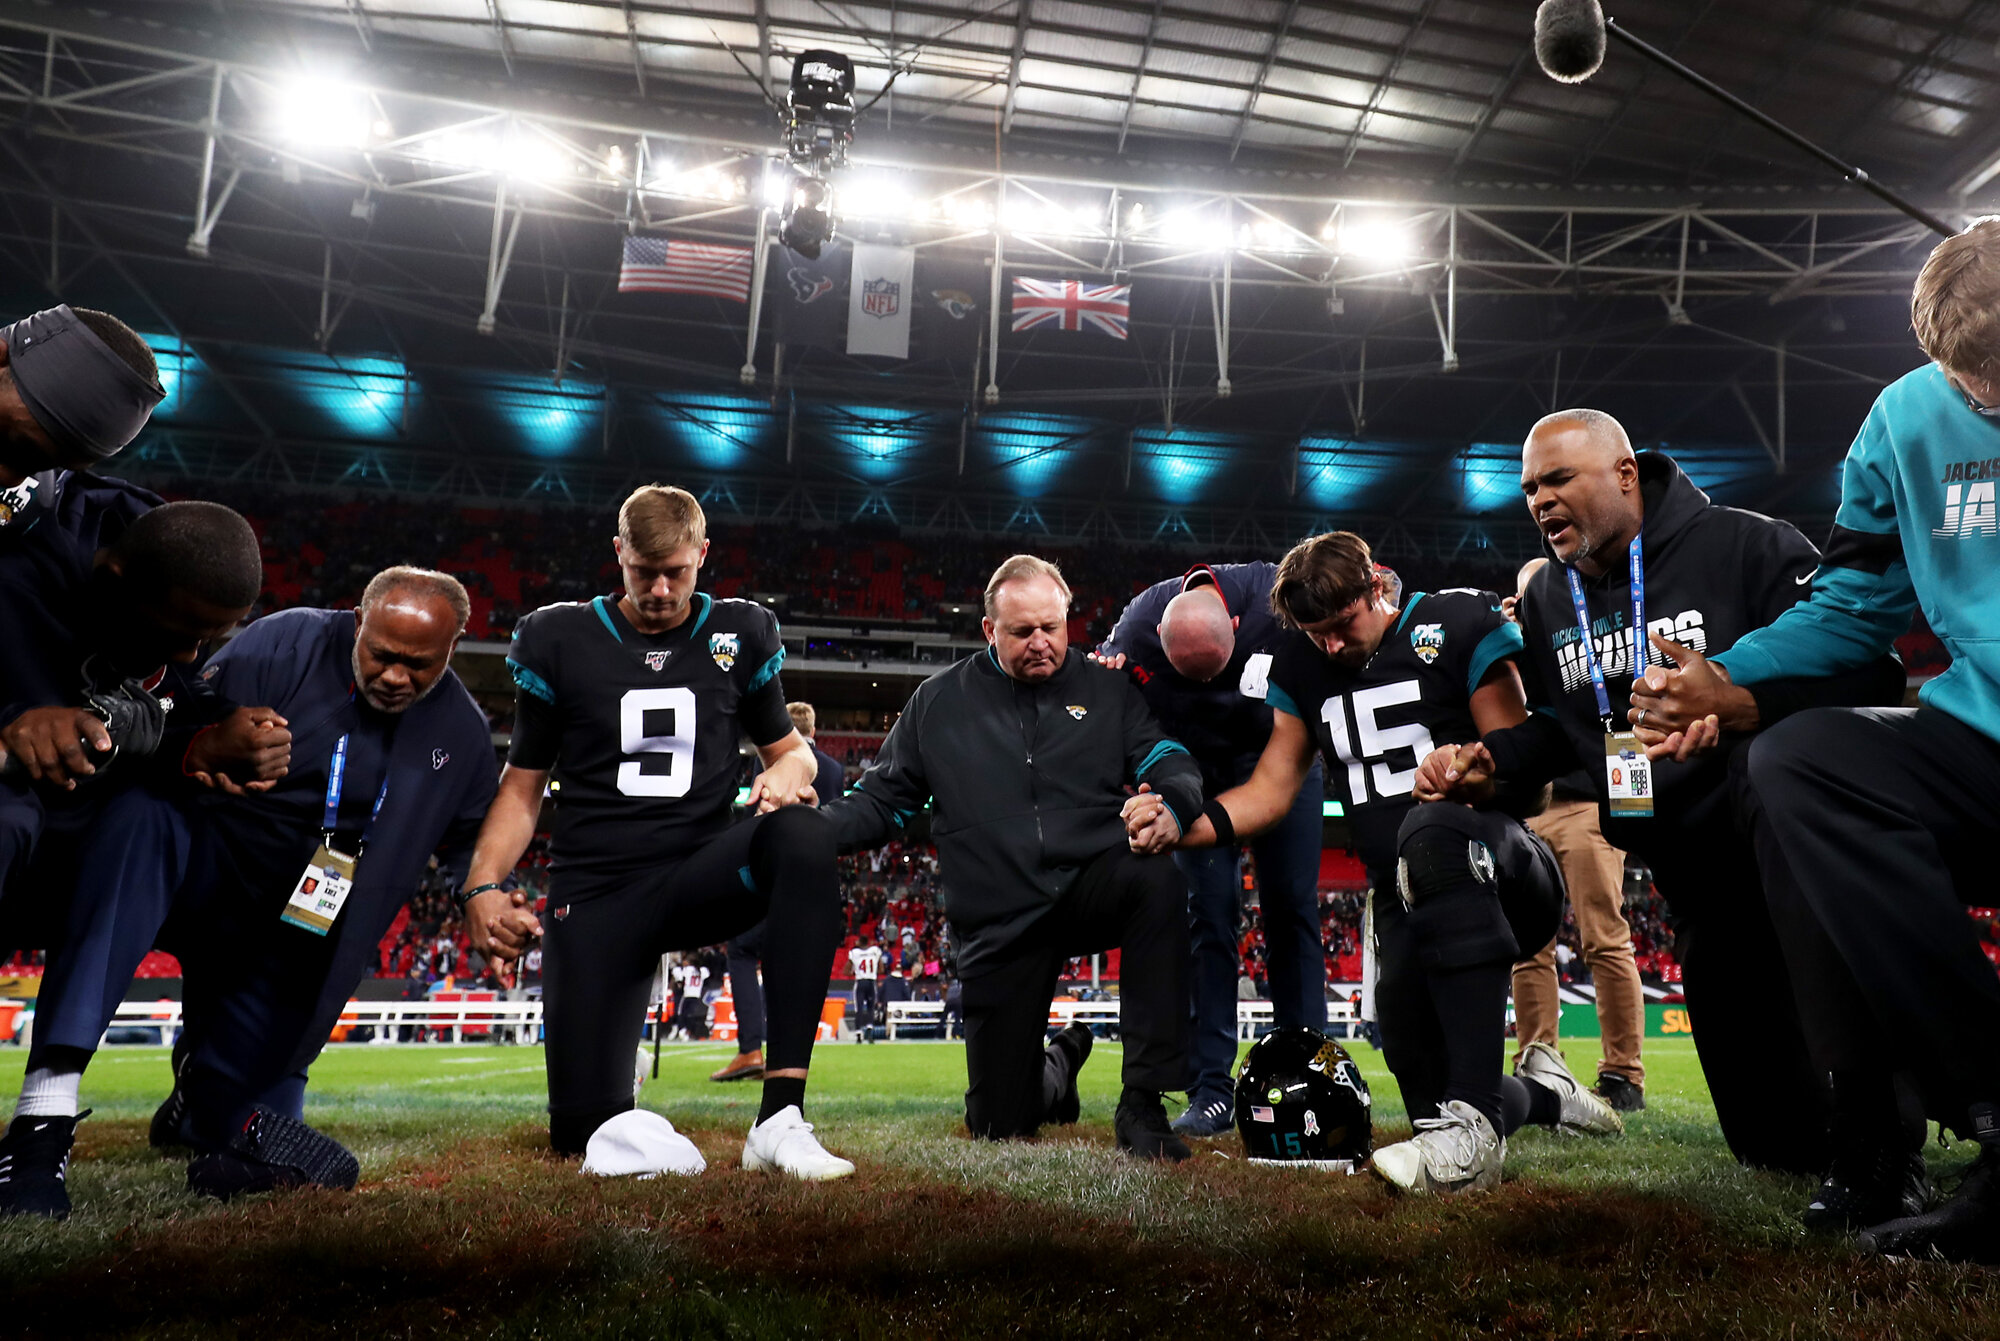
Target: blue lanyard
x,y
335,773
1639,645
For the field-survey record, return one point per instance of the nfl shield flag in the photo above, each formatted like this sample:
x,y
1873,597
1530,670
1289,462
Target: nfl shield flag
x,y
878,301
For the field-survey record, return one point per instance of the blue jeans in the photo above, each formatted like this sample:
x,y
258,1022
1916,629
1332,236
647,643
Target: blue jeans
x,y
1288,884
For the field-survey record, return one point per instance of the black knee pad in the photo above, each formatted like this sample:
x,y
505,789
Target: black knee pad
x,y
1447,878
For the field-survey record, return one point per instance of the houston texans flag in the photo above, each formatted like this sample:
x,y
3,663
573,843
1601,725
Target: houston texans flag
x,y
660,265
1072,305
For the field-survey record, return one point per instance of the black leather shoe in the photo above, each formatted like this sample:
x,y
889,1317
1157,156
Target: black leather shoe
x,y
1867,1188
1066,1054
1964,1228
34,1165
1143,1131
1620,1093
271,1152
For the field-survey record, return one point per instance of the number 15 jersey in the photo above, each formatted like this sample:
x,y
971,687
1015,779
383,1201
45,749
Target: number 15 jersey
x,y
640,731
1375,724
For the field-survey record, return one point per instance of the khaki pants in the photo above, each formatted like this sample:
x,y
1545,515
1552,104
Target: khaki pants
x,y
1595,873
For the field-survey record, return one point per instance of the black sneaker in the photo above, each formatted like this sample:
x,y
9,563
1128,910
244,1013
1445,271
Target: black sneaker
x,y
1208,1115
1862,1190
1965,1228
271,1152
1065,1056
34,1165
1620,1093
165,1132
1141,1124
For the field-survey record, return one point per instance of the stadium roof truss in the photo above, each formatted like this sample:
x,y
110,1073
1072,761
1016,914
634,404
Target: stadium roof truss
x,y
1267,163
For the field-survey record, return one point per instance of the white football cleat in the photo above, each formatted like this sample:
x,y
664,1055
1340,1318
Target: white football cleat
x,y
784,1142
1456,1151
642,1143
1582,1110
641,1069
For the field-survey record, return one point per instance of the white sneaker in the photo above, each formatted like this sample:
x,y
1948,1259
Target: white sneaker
x,y
1582,1110
784,1142
640,1071
1456,1151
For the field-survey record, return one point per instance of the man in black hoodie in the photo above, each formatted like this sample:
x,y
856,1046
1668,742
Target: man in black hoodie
x,y
1636,543
1024,752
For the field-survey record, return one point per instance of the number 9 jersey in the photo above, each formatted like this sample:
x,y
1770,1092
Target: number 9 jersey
x,y
1375,724
640,731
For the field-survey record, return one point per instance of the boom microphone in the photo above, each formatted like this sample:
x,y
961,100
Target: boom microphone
x,y
1570,38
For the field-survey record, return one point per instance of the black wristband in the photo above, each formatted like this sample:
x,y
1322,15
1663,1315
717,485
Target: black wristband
x,y
467,896
1225,829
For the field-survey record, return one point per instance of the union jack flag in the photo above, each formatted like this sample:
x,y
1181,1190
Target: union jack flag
x,y
1071,305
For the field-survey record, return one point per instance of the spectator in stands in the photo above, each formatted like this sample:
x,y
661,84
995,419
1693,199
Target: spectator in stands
x,y
388,752
1024,751
746,989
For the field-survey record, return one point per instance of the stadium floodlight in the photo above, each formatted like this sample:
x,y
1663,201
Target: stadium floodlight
x,y
1375,240
1196,230
808,222
326,114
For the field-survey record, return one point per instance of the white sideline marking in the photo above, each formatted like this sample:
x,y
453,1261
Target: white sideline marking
x,y
458,1080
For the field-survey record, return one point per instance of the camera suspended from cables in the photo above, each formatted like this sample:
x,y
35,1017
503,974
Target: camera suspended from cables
x,y
819,125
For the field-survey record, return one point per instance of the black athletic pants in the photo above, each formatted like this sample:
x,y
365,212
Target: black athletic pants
x,y
1446,960
600,954
867,1003
1137,903
1771,1101
744,989
1886,822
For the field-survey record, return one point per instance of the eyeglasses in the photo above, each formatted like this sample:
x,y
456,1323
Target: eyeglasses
x,y
1989,411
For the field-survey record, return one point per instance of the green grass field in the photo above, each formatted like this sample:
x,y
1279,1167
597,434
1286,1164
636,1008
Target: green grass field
x,y
464,1226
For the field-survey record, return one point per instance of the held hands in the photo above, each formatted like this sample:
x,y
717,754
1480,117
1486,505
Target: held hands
x,y
499,923
789,782
55,744
1456,773
251,744
1113,662
1683,712
1149,825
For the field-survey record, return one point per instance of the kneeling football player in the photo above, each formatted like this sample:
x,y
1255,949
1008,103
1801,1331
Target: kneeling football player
x,y
634,706
1375,685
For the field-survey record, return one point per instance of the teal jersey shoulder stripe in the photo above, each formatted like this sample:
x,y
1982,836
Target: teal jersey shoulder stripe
x,y
767,670
1159,752
1281,701
1404,618
597,604
707,604
1499,644
530,681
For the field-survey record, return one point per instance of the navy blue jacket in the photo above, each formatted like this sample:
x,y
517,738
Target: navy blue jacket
x,y
831,784
1224,722
441,769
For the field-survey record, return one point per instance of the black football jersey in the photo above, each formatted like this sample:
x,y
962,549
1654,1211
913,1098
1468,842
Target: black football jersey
x,y
641,731
1375,725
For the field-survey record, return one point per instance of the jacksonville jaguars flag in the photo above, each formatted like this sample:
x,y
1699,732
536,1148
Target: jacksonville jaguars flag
x,y
879,300
950,308
808,298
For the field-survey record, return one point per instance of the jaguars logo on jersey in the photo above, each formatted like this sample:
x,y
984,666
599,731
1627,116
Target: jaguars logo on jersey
x,y
1428,641
724,647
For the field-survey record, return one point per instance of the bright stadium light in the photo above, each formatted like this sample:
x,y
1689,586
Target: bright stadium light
x,y
325,114
1376,240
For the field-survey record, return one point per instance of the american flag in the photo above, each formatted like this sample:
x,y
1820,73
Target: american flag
x,y
659,265
1070,305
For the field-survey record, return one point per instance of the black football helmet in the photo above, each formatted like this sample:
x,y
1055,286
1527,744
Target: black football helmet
x,y
1301,1099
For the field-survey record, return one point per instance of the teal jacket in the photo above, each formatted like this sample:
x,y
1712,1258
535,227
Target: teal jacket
x,y
1917,525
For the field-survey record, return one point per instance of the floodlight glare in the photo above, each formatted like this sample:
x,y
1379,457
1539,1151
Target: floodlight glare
x,y
324,114
1376,240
